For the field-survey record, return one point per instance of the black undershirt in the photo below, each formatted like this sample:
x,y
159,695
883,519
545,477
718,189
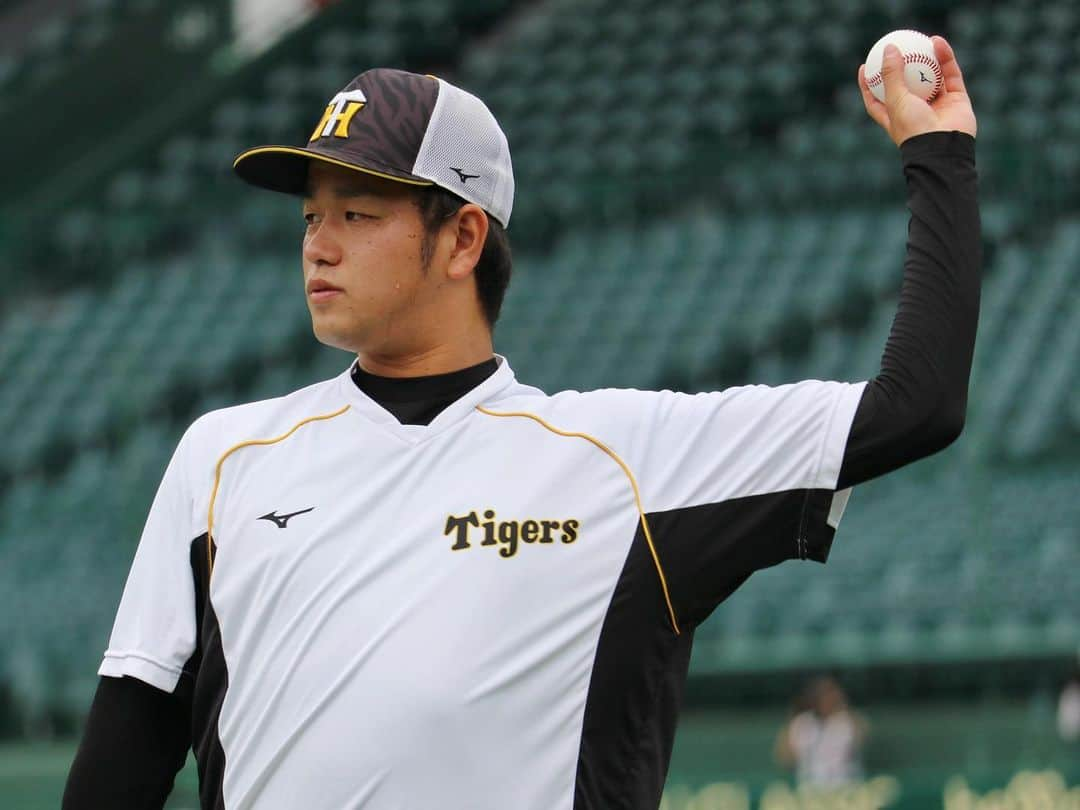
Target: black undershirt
x,y
137,737
418,400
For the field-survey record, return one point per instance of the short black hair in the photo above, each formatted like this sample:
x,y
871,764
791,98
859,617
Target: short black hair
x,y
496,262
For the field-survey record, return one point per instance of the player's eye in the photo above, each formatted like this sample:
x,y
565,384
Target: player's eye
x,y
310,218
356,216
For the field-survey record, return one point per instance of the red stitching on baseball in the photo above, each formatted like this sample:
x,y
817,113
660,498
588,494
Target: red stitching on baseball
x,y
921,58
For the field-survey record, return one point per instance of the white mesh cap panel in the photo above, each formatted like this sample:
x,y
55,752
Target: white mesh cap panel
x,y
463,135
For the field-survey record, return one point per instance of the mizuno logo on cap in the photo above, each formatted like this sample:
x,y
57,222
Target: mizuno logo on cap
x,y
462,175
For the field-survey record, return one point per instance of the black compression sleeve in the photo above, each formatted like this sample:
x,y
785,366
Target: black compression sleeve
x,y
136,740
915,406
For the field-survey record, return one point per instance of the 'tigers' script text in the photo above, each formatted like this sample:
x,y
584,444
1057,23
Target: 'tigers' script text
x,y
507,534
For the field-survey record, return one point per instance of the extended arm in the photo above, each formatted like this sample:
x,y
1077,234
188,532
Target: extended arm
x,y
916,404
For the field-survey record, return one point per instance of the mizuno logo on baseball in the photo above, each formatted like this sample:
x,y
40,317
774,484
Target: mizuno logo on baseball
x,y
339,114
507,533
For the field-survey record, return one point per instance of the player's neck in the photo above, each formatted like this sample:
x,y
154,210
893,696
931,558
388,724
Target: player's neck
x,y
439,359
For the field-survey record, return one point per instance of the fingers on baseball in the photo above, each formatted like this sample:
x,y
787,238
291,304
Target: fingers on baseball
x,y
874,108
892,74
950,68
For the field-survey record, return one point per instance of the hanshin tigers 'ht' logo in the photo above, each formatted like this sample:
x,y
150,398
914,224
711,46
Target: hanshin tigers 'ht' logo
x,y
339,114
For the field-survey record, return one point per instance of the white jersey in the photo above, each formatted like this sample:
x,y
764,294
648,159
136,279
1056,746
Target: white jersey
x,y
494,610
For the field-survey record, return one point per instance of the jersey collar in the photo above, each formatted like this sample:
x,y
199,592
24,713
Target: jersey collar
x,y
368,409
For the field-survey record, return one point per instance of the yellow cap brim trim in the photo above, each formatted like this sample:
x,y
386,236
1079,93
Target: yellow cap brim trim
x,y
292,150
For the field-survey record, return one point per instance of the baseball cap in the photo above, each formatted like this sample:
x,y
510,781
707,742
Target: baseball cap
x,y
419,130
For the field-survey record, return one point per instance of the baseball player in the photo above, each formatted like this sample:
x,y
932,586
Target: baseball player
x,y
426,584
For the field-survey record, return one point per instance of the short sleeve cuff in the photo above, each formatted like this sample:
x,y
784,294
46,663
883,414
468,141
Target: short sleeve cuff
x,y
821,517
137,665
836,435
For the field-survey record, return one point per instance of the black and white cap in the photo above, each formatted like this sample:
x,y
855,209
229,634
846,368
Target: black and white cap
x,y
401,126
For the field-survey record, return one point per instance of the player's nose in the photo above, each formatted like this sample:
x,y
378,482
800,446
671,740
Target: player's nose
x,y
321,246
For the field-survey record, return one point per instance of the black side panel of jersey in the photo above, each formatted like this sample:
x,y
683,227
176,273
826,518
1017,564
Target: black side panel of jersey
x,y
639,673
708,551
211,683
634,695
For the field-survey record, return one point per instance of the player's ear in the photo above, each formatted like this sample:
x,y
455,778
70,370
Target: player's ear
x,y
469,228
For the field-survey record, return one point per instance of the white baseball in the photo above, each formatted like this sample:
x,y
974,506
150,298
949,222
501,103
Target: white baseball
x,y
921,69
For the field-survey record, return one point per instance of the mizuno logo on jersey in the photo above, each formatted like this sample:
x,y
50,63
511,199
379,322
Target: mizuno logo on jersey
x,y
282,521
467,530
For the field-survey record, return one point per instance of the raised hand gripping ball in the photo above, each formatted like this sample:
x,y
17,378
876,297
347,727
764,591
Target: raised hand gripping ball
x,y
921,69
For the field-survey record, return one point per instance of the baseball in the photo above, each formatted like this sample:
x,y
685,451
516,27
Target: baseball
x,y
921,69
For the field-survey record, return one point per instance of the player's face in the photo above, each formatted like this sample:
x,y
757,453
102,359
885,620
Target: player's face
x,y
367,287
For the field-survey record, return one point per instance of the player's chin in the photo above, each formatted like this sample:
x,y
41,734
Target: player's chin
x,y
331,329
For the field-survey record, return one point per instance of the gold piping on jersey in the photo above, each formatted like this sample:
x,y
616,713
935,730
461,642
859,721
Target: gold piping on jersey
x,y
633,484
217,477
309,153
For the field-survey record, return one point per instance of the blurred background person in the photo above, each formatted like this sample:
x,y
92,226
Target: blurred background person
x,y
823,739
1068,715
